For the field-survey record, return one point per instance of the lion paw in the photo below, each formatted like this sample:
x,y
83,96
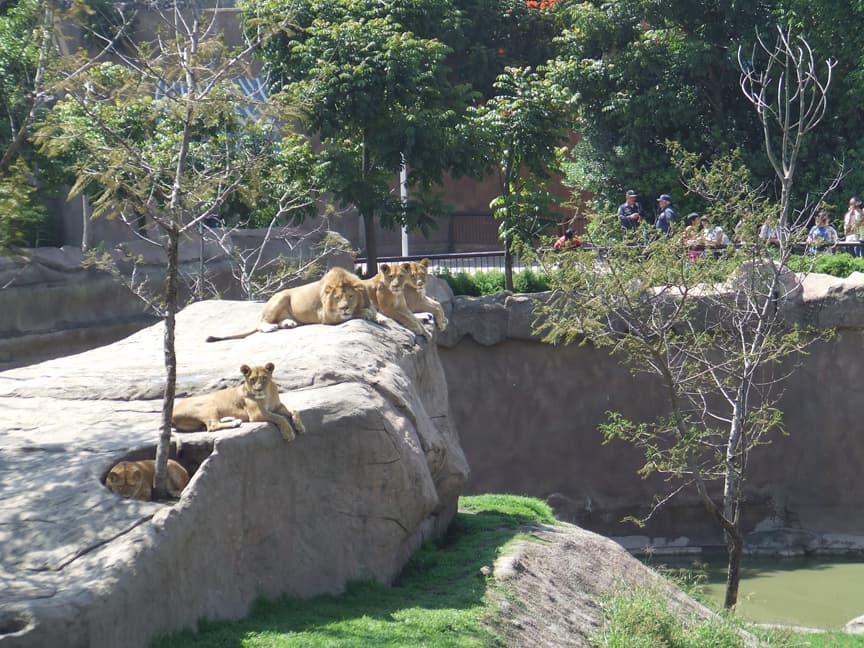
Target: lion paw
x,y
287,431
287,323
299,428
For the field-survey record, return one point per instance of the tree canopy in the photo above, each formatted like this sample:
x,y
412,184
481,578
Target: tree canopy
x,y
376,94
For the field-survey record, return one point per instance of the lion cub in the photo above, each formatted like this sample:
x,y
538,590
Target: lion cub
x,y
134,479
415,294
387,291
257,399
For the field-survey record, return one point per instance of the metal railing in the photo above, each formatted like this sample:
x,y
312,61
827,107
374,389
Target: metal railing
x,y
456,262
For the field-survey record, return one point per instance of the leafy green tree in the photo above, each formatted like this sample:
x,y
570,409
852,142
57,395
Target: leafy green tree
x,y
159,140
832,30
376,94
487,36
522,125
713,333
648,72
31,36
26,46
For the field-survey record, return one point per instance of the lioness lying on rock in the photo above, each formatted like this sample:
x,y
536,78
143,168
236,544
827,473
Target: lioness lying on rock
x,y
387,291
134,479
415,294
335,298
257,399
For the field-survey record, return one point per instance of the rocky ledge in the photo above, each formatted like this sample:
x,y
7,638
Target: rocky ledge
x,y
378,472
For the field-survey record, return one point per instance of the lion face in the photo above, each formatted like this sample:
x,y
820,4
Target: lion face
x,y
341,300
419,275
257,379
396,276
124,479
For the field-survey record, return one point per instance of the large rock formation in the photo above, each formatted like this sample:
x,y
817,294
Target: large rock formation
x,y
378,472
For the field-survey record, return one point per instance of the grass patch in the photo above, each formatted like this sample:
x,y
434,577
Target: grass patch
x,y
827,640
639,618
438,601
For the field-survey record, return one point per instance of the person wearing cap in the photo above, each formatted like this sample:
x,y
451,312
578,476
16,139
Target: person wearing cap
x,y
630,213
666,215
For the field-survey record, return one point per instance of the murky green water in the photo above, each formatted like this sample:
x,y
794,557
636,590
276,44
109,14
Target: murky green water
x,y
819,592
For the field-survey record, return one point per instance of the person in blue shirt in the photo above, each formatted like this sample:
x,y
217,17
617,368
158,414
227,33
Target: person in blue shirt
x,y
666,215
822,236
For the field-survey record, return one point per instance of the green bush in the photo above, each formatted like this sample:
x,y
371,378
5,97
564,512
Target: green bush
x,y
529,281
837,265
490,282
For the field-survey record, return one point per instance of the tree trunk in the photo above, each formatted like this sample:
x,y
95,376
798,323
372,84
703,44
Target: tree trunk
x,y
368,216
371,244
160,490
506,192
85,223
735,547
508,265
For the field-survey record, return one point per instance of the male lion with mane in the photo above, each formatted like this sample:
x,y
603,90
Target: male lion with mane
x,y
335,298
257,399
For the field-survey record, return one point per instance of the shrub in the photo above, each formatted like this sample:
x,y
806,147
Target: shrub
x,y
837,265
490,282
529,281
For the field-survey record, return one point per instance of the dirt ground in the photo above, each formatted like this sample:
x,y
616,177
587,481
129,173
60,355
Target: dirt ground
x,y
555,580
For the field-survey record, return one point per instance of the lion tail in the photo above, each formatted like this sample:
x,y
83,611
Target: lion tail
x,y
236,336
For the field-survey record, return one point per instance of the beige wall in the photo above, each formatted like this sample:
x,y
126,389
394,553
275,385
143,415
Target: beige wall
x,y
528,416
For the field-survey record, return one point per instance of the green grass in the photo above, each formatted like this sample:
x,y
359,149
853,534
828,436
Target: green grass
x,y
639,618
438,601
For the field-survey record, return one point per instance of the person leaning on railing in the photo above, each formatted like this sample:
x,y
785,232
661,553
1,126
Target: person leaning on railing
x,y
691,237
568,240
822,236
853,223
772,234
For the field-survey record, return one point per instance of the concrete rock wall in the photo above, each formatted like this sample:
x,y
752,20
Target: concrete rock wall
x,y
528,414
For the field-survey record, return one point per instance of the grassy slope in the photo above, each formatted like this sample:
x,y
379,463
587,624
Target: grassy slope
x,y
440,600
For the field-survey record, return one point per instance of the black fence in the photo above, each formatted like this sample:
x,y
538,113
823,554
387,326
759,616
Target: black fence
x,y
452,262
457,262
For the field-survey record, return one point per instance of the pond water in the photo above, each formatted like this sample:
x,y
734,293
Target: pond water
x,y
820,592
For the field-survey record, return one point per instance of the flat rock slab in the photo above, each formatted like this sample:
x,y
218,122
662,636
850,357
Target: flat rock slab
x,y
378,472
